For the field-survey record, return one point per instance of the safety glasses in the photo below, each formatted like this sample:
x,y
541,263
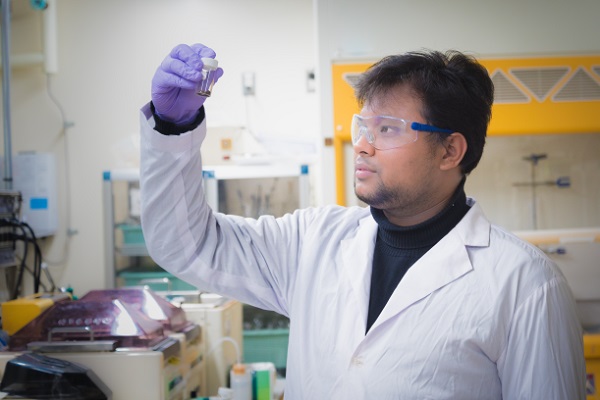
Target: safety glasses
x,y
384,133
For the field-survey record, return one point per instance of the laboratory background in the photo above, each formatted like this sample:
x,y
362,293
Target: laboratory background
x,y
277,140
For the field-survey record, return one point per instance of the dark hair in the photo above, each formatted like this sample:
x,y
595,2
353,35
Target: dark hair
x,y
456,91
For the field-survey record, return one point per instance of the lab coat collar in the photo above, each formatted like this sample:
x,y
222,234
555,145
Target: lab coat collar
x,y
447,261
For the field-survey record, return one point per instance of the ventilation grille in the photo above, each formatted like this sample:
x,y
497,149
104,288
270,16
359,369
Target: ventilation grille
x,y
580,87
539,81
506,91
352,79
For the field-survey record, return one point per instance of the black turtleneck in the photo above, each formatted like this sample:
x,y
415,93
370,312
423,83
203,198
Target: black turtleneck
x,y
397,248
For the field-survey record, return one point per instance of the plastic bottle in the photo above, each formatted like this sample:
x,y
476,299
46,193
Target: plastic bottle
x,y
241,382
208,76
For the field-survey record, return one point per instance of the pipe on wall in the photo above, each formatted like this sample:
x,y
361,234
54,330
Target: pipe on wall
x,y
49,58
50,38
6,94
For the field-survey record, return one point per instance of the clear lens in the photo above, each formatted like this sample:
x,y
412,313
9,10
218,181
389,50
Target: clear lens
x,y
382,132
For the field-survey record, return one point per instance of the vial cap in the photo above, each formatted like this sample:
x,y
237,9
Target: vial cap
x,y
239,369
210,63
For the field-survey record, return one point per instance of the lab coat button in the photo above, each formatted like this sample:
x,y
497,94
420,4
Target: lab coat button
x,y
357,361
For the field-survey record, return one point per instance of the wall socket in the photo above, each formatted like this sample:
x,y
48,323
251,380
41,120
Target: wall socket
x,y
248,83
311,83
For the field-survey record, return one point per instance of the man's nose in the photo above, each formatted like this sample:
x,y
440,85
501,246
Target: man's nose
x,y
362,146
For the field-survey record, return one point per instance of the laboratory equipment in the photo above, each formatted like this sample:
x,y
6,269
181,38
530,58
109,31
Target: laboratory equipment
x,y
129,374
221,322
18,312
10,208
561,182
37,376
176,326
34,175
110,337
91,325
245,190
209,76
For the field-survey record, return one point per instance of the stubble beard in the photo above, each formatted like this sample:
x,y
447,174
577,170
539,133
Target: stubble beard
x,y
395,199
381,198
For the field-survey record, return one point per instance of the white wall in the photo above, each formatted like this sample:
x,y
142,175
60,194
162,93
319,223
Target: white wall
x,y
108,51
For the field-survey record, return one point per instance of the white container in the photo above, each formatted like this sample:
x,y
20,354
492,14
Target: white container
x,y
226,394
241,382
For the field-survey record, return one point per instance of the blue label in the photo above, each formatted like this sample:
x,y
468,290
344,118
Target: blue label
x,y
38,203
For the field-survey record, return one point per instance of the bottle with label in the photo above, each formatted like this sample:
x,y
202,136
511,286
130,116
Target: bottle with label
x,y
241,382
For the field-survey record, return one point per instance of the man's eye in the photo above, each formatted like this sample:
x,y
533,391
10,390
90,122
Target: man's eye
x,y
389,130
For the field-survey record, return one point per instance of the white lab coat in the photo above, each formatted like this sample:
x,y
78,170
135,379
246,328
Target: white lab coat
x,y
482,315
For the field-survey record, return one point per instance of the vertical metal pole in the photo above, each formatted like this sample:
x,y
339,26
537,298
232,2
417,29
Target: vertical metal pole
x,y
534,194
6,93
110,262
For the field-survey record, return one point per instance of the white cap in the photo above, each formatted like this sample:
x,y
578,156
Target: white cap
x,y
210,63
225,393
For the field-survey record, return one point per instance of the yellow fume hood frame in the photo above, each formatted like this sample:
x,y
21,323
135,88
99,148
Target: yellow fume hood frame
x,y
533,95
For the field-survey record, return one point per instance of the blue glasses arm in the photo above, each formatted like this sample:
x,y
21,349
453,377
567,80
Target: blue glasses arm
x,y
416,126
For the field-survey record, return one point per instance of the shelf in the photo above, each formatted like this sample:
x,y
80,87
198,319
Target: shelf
x,y
133,250
281,188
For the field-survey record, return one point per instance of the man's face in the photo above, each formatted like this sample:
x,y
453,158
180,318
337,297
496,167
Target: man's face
x,y
401,180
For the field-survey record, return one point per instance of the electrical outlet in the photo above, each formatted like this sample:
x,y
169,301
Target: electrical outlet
x,y
311,84
248,83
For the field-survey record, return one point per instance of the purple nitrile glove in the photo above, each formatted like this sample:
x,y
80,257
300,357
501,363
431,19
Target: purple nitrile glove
x,y
175,81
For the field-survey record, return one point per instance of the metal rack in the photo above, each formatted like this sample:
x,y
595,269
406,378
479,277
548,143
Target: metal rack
x,y
224,186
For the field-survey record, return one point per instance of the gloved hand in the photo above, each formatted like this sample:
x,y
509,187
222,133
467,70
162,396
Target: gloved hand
x,y
175,81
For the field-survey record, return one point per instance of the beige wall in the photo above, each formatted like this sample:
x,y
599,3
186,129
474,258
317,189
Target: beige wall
x,y
107,53
492,183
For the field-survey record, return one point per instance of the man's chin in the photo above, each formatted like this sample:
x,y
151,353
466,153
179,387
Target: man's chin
x,y
365,199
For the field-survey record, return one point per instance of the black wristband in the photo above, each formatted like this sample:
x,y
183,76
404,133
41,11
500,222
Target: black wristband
x,y
170,128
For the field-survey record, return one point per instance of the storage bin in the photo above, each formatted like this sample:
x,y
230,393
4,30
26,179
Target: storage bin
x,y
132,234
157,280
266,345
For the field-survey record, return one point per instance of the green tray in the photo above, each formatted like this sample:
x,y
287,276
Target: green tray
x,y
158,280
266,345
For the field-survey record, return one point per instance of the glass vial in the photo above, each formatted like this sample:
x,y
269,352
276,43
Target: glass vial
x,y
208,76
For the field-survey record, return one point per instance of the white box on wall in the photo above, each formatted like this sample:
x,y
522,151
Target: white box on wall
x,y
34,175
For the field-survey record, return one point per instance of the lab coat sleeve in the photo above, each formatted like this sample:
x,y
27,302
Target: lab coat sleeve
x,y
246,259
543,358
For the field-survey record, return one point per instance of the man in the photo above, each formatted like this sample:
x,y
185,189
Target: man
x,y
418,296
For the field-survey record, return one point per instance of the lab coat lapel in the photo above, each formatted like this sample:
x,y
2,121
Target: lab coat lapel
x,y
357,256
447,261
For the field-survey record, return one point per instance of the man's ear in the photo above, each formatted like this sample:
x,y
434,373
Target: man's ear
x,y
455,147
